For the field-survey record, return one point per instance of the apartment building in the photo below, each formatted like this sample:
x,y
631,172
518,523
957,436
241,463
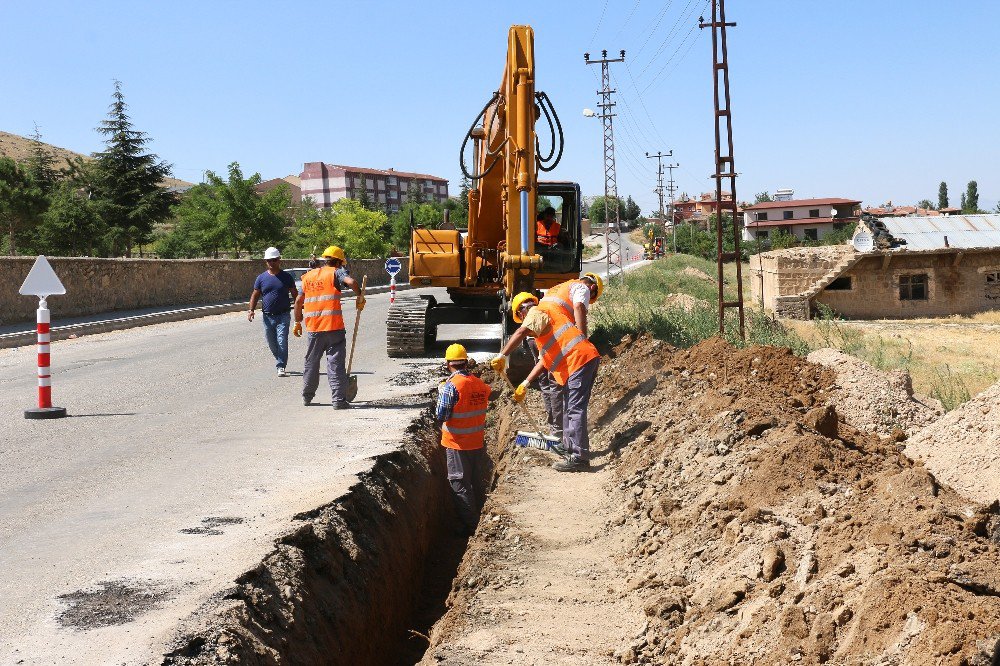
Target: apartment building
x,y
806,219
325,183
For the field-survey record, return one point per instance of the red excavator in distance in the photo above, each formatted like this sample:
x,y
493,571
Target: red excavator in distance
x,y
497,257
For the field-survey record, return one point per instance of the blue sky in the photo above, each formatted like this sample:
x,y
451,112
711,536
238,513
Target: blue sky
x,y
872,100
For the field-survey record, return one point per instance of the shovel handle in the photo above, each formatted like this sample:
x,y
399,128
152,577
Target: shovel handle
x,y
357,320
529,415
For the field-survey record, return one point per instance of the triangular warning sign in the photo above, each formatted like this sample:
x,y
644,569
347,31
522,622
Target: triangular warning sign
x,y
42,281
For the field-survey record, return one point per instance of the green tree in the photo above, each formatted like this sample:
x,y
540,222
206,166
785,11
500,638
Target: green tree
x,y
762,197
598,205
41,164
631,210
971,198
964,203
199,228
347,224
128,190
459,216
925,204
251,220
361,194
22,202
71,225
424,215
415,193
942,195
463,194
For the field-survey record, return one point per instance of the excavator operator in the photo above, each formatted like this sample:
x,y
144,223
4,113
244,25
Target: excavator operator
x,y
547,229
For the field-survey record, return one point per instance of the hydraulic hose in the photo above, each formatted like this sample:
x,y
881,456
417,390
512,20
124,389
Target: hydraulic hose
x,y
555,128
468,135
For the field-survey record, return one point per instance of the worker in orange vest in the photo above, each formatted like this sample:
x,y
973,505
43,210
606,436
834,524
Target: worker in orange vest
x,y
576,296
547,229
572,361
319,306
461,410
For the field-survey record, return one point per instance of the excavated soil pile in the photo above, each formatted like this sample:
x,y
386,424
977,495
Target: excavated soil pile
x,y
767,530
963,446
875,401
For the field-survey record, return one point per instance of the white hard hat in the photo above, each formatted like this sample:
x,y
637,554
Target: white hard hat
x,y
272,253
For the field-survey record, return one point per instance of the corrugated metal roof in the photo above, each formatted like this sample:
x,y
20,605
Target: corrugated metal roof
x,y
928,233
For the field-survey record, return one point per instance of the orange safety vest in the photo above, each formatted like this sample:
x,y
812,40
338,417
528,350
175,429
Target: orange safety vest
x,y
545,236
321,307
559,295
564,348
466,429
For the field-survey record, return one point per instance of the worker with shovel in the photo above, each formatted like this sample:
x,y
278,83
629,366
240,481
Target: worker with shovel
x,y
571,359
319,306
461,410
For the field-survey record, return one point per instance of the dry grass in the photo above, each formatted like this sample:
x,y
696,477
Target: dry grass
x,y
947,358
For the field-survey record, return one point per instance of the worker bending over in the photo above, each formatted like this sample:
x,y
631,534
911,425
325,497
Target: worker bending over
x,y
319,306
572,361
574,297
461,409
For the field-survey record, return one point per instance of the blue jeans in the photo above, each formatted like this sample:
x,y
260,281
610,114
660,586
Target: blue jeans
x,y
276,334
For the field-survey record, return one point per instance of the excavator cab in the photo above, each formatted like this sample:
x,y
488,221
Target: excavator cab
x,y
563,258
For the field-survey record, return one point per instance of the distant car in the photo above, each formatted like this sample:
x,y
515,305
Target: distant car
x,y
297,273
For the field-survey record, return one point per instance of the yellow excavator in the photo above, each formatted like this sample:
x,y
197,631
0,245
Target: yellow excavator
x,y
497,257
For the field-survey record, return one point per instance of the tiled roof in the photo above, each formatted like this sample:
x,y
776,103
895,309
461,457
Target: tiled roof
x,y
799,221
796,203
389,172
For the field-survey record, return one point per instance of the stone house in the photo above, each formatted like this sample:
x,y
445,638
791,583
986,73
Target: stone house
x,y
895,268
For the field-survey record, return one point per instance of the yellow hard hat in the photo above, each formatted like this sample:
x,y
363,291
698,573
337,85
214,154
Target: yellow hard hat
x,y
599,281
334,252
456,352
518,301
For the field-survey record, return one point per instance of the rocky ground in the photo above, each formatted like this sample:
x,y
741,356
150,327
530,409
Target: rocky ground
x,y
741,512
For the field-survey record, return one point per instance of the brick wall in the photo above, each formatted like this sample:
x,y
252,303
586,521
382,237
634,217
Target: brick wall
x,y
95,286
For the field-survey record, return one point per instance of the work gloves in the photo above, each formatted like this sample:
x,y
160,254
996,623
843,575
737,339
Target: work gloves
x,y
521,392
498,364
297,329
359,302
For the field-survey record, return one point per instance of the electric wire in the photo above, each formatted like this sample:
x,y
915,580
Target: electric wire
x,y
674,55
627,19
659,19
599,22
666,40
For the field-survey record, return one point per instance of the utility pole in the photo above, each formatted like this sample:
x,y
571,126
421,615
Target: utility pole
x,y
612,239
659,184
724,166
671,188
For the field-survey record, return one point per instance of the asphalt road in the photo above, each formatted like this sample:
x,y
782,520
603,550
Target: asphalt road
x,y
183,458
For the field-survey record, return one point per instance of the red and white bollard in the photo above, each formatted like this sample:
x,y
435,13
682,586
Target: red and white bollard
x,y
45,410
392,289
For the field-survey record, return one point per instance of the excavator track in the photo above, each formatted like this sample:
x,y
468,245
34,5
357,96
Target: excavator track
x,y
407,330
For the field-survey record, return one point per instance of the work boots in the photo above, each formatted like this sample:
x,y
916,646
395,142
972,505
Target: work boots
x,y
572,465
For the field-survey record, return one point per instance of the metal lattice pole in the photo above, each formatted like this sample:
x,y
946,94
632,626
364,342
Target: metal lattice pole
x,y
725,168
671,188
659,185
612,219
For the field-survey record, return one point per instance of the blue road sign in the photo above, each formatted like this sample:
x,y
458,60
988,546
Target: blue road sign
x,y
393,266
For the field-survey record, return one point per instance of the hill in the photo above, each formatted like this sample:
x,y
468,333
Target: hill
x,y
19,149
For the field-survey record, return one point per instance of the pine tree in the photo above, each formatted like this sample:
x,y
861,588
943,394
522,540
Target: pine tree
x,y
41,164
942,195
463,194
128,190
21,202
964,204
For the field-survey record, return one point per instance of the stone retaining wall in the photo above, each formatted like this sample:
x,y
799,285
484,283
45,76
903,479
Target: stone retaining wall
x,y
96,286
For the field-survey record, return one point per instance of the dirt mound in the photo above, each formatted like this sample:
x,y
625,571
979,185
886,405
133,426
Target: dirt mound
x,y
875,401
691,271
685,302
961,446
767,530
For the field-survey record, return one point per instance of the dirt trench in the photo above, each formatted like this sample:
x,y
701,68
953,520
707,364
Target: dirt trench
x,y
358,582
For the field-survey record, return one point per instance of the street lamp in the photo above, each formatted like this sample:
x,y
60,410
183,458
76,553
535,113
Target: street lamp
x,y
589,113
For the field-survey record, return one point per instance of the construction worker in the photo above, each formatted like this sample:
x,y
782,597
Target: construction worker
x,y
547,229
572,361
319,306
575,297
461,410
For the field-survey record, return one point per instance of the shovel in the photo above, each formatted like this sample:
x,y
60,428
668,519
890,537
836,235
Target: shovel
x,y
352,380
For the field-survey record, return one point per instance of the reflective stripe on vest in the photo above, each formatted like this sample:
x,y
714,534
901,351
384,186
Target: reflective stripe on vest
x,y
466,428
564,349
321,309
559,295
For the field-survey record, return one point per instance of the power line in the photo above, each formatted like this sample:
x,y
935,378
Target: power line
x,y
599,22
659,19
666,40
679,47
627,19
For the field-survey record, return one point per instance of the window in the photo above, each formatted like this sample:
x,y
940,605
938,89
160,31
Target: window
x,y
810,234
913,287
786,215
840,284
762,235
814,212
761,217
